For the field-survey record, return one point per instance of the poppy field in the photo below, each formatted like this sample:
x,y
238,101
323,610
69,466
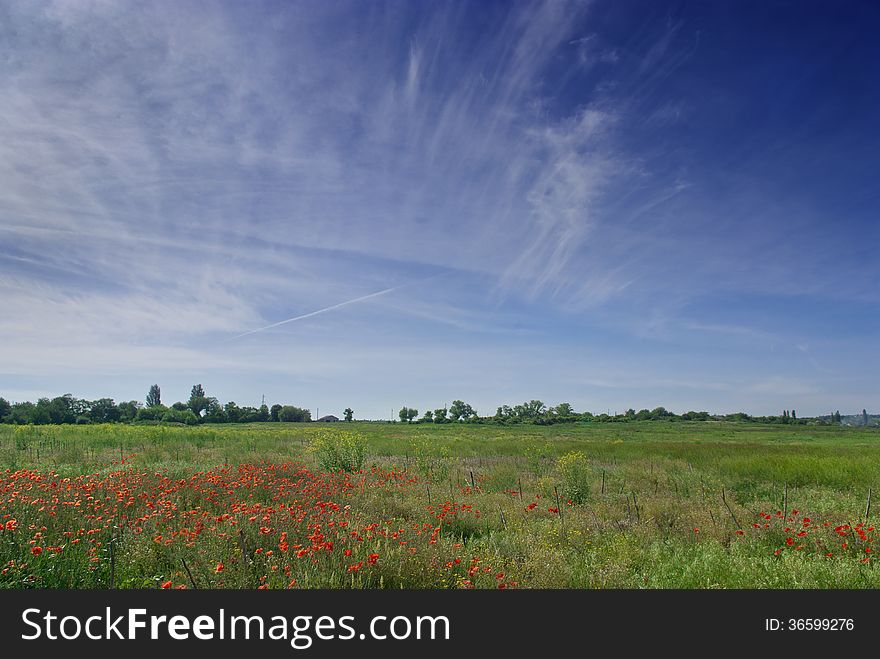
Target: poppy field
x,y
373,505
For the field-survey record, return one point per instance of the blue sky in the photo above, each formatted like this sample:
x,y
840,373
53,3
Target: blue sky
x,y
615,204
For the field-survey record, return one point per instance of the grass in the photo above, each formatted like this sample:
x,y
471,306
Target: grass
x,y
653,504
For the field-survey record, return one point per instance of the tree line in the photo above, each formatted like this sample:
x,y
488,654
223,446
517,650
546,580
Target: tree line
x,y
536,412
201,408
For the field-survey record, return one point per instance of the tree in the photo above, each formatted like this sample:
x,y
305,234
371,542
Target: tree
x,y
865,417
563,413
461,410
212,404
5,408
428,417
273,412
180,407
128,410
440,415
214,412
289,414
249,415
349,414
103,410
154,413
233,412
407,414
660,413
154,396
836,417
63,409
197,400
530,411
22,413
264,413
793,415
185,415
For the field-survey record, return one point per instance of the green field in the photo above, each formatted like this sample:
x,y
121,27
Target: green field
x,y
643,505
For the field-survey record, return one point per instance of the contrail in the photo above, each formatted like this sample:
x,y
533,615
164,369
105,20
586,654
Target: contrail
x,y
315,313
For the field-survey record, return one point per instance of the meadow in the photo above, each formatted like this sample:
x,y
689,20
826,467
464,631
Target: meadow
x,y
377,505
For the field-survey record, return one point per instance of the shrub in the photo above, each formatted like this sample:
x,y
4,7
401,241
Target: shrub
x,y
296,414
154,413
576,473
180,416
339,450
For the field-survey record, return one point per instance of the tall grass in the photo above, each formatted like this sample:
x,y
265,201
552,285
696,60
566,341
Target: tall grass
x,y
642,502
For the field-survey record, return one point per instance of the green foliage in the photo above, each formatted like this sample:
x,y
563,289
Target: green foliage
x,y
537,455
577,475
103,411
337,451
290,413
663,481
214,412
459,410
185,416
154,396
563,413
198,401
349,414
128,410
153,413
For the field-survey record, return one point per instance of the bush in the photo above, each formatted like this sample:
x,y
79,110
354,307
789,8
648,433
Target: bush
x,y
154,413
290,413
576,473
339,450
180,416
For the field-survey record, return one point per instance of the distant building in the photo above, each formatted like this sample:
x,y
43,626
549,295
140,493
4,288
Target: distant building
x,y
328,419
